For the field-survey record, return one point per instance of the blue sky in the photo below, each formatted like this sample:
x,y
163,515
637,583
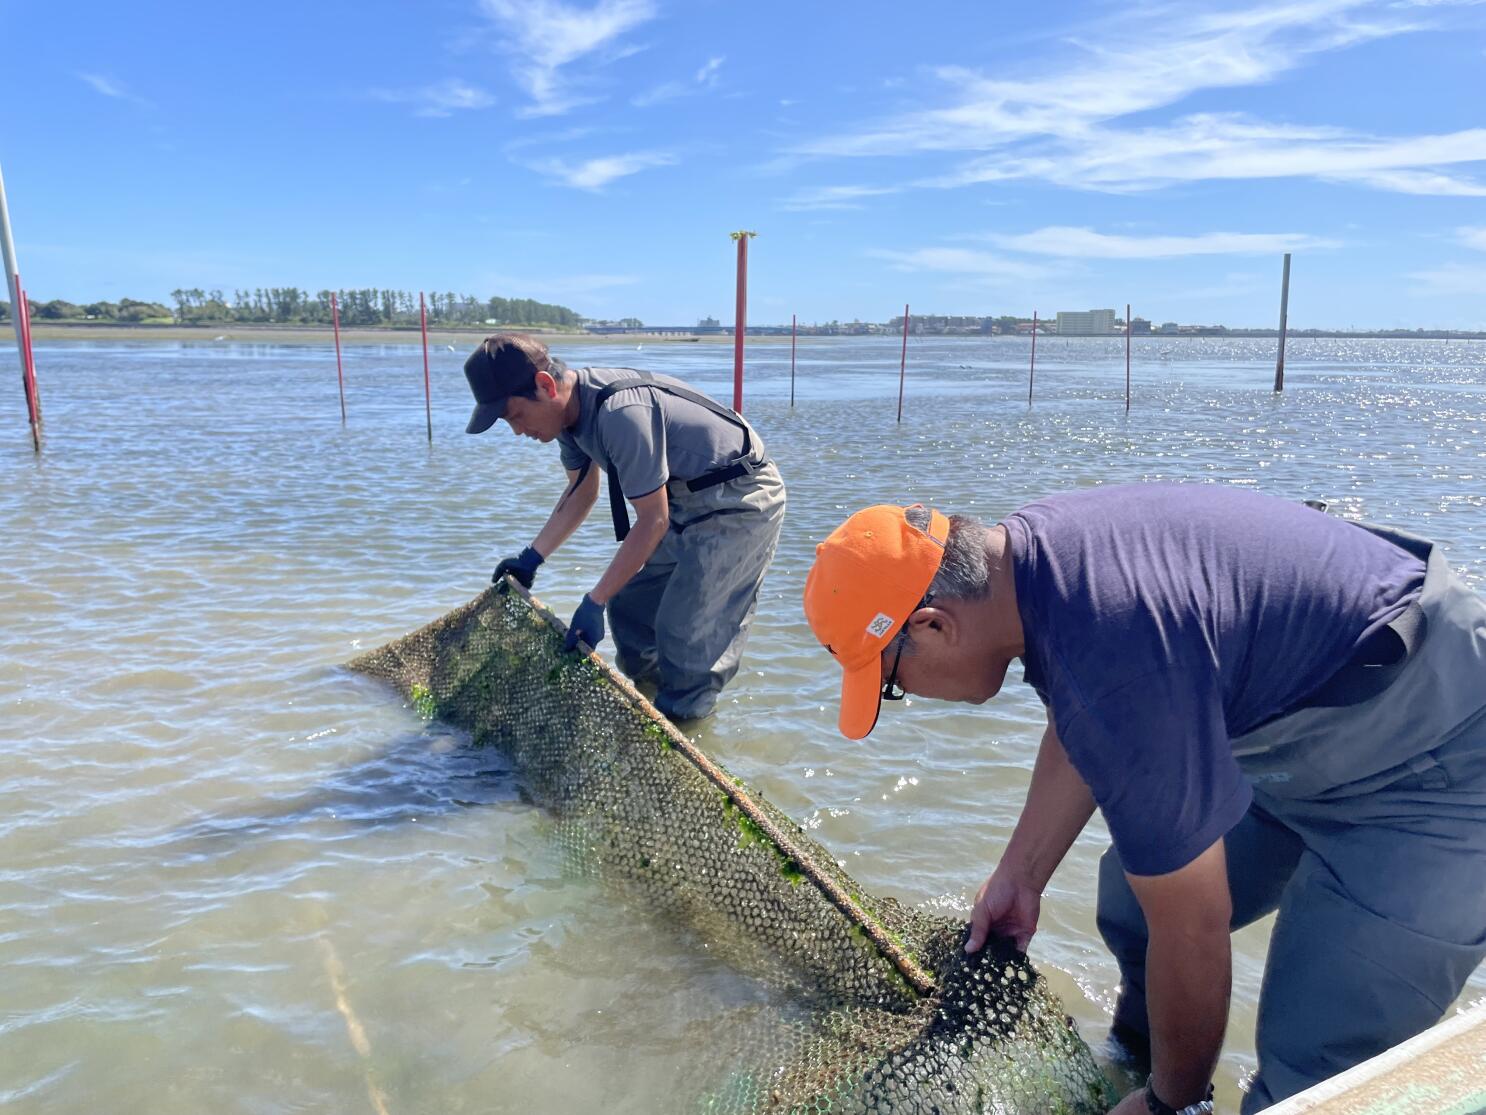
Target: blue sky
x,y
966,158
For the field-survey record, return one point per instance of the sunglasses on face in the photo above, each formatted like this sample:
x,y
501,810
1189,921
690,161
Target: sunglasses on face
x,y
891,691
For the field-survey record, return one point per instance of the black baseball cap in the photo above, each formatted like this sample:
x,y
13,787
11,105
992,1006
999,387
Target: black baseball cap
x,y
496,370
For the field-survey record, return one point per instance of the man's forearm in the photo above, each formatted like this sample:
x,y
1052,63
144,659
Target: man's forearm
x,y
1058,807
643,539
1188,976
572,508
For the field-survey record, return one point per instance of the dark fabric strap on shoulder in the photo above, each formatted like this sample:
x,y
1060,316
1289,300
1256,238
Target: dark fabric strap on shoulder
x,y
742,466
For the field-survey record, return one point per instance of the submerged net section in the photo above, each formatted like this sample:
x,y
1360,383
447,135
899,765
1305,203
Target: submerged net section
x,y
883,1011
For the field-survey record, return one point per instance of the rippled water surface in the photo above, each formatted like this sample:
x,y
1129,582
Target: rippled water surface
x,y
234,878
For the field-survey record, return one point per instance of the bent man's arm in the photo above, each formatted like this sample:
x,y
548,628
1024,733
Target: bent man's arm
x,y
1058,807
572,508
1189,972
652,520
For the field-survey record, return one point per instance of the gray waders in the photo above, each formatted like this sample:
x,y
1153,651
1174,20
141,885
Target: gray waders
x,y
683,619
1367,839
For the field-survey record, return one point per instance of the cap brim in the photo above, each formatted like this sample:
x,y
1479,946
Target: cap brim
x,y
861,700
484,416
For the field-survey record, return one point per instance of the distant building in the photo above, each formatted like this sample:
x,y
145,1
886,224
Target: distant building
x,y
1139,326
1170,327
1086,323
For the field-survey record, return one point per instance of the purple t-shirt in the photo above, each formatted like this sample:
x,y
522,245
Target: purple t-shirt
x,y
1163,620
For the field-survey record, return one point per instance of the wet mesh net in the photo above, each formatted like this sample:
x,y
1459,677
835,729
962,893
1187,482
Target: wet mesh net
x,y
882,1011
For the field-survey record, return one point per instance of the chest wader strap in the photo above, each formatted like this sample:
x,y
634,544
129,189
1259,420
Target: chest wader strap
x,y
741,466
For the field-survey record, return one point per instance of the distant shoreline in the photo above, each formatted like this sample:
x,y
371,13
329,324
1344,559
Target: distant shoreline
x,y
314,334
468,338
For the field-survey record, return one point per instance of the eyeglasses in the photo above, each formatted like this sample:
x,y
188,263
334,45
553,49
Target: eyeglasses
x,y
891,691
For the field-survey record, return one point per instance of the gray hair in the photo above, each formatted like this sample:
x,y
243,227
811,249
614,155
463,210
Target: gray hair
x,y
964,574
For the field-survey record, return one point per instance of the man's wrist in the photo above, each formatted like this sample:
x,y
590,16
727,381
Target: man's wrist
x,y
1158,1106
1016,868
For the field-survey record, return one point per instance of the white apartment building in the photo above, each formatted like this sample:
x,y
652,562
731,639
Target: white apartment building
x,y
1086,323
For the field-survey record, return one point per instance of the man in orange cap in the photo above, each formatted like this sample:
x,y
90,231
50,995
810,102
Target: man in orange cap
x,y
1275,710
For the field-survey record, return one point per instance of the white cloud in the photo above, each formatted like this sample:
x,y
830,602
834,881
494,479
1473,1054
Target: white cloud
x,y
1085,243
1450,278
110,87
1063,125
1473,238
550,34
962,261
1211,146
440,99
1119,73
836,197
707,75
706,78
666,91
595,174
1421,182
106,86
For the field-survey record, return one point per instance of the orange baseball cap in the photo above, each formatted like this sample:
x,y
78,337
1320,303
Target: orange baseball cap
x,y
868,578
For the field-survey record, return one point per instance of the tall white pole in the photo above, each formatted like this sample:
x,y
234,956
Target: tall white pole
x,y
7,248
20,320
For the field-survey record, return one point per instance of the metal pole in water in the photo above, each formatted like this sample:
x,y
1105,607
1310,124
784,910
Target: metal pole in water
x,y
1032,367
1127,358
903,363
1279,366
340,377
19,320
28,365
740,319
793,331
427,394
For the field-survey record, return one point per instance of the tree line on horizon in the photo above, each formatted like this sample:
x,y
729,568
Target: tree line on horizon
x,y
292,306
128,310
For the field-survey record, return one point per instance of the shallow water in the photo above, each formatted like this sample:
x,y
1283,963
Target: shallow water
x,y
234,877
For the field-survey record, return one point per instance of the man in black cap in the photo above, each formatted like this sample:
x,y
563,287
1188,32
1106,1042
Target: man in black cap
x,y
682,587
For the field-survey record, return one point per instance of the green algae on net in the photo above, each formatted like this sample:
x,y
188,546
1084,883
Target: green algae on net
x,y
885,1012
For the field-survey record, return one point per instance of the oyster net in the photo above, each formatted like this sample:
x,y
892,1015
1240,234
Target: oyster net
x,y
884,1011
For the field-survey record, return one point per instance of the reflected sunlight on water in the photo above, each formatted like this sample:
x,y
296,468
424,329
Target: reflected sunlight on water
x,y
198,807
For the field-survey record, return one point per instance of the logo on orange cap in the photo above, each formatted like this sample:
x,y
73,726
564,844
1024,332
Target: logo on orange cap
x,y
868,578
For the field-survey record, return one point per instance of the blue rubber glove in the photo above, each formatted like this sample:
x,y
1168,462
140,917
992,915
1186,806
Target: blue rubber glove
x,y
587,625
522,567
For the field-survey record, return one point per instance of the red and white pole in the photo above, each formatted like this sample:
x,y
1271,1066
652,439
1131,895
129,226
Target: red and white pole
x,y
340,376
22,308
903,362
427,392
20,320
740,318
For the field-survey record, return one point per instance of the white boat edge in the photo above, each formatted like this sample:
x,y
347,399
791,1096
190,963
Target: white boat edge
x,y
1444,1067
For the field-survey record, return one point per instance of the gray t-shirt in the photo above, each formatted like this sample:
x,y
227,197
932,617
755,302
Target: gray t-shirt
x,y
650,437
